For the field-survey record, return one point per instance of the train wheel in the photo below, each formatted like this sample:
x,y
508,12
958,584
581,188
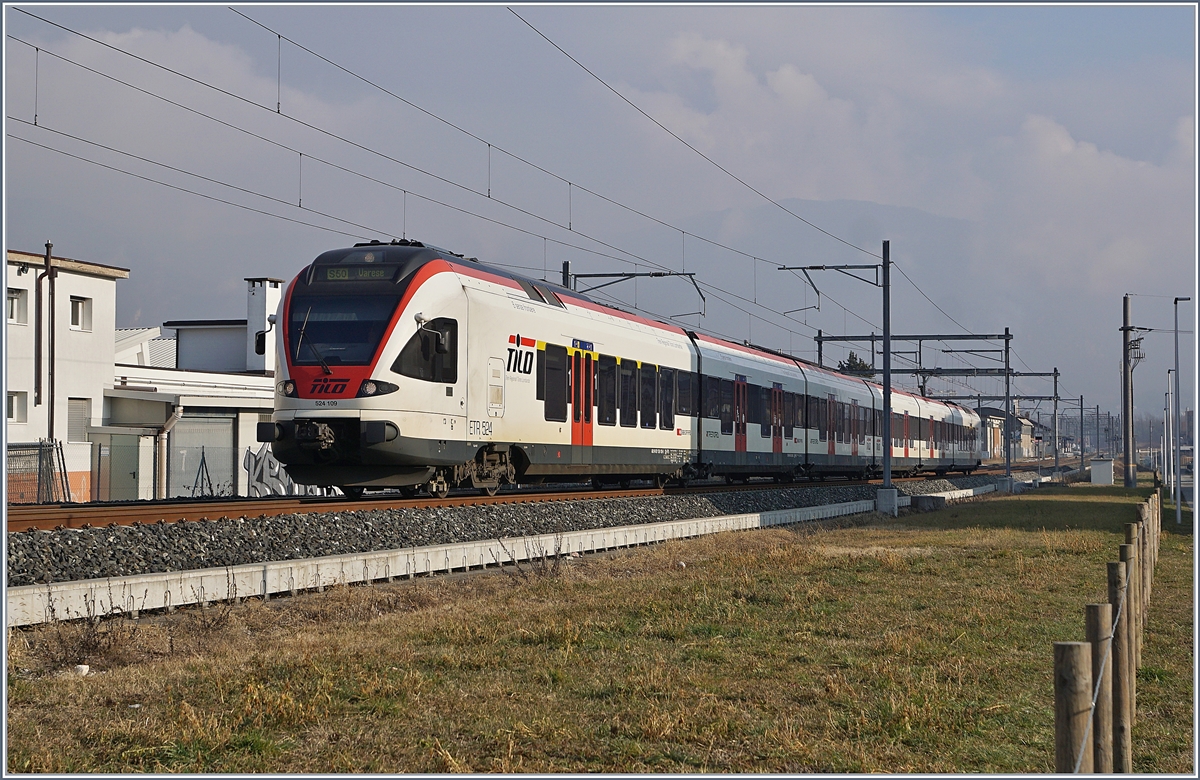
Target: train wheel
x,y
352,493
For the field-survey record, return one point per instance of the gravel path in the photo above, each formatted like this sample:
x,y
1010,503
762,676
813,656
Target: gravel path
x,y
68,555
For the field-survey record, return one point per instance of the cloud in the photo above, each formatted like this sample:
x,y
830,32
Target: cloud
x,y
1071,212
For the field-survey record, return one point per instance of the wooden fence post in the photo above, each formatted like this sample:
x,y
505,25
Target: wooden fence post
x,y
1099,635
1143,543
1129,558
1072,706
1133,576
1121,726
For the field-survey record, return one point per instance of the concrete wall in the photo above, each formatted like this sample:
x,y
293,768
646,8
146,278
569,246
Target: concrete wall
x,y
216,348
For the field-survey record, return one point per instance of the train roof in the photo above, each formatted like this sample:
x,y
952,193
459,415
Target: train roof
x,y
411,255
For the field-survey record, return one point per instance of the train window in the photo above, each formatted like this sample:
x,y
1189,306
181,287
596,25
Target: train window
x,y
648,395
589,387
754,410
606,390
556,383
666,398
339,329
727,407
628,392
712,397
789,410
431,354
575,385
685,394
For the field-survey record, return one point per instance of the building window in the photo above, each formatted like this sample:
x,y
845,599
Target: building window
x,y
16,406
81,313
79,414
18,312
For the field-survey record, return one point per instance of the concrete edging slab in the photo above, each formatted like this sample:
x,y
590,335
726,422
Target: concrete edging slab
x,y
33,604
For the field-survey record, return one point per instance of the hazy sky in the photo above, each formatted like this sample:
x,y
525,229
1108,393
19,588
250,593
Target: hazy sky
x,y
1029,165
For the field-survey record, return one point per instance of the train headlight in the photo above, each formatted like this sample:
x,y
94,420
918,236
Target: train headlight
x,y
287,389
373,387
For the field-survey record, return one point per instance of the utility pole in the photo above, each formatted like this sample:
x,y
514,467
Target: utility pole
x,y
1007,408
1056,419
885,501
1178,467
887,367
1081,433
1168,465
1127,394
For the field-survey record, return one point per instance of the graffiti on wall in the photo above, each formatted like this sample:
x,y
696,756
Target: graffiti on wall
x,y
267,476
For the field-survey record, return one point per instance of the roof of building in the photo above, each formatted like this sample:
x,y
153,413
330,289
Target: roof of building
x,y
203,323
16,257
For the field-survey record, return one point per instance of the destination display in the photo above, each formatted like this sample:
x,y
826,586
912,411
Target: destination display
x,y
357,274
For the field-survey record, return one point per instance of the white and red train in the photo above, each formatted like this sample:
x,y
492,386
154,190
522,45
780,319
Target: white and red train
x,y
405,365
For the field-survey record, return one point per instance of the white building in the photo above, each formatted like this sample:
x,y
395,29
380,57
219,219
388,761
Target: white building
x,y
60,353
140,414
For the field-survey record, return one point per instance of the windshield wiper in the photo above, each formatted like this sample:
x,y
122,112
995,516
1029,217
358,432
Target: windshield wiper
x,y
300,340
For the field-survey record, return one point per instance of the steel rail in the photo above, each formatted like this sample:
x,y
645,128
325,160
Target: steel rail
x,y
49,517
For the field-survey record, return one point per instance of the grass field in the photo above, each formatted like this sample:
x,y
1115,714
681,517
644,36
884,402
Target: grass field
x,y
922,644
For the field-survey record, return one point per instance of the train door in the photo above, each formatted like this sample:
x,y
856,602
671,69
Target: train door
x,y
777,418
854,423
739,413
583,383
906,435
831,422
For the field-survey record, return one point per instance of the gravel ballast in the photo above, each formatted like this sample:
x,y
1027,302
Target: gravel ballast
x,y
69,555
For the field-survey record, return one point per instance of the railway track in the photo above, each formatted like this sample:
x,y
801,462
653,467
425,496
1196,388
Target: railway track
x,y
46,517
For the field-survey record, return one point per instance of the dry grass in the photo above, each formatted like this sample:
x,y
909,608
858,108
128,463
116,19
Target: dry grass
x,y
922,644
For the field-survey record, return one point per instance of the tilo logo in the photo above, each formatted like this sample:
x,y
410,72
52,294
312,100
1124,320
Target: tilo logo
x,y
328,385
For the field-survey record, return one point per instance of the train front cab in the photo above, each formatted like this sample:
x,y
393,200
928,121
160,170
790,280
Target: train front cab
x,y
371,391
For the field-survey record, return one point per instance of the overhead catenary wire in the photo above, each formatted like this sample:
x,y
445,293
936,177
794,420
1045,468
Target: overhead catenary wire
x,y
644,260
390,158
672,133
492,146
403,163
712,290
184,189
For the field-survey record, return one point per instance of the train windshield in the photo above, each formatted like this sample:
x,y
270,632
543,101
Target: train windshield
x,y
337,329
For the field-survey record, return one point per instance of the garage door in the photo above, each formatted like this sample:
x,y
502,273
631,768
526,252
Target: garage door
x,y
200,457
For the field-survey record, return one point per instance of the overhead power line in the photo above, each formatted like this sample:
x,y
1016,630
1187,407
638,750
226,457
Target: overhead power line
x,y
708,159
637,258
496,147
182,189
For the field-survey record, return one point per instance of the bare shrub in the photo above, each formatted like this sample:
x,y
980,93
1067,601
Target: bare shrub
x,y
539,562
